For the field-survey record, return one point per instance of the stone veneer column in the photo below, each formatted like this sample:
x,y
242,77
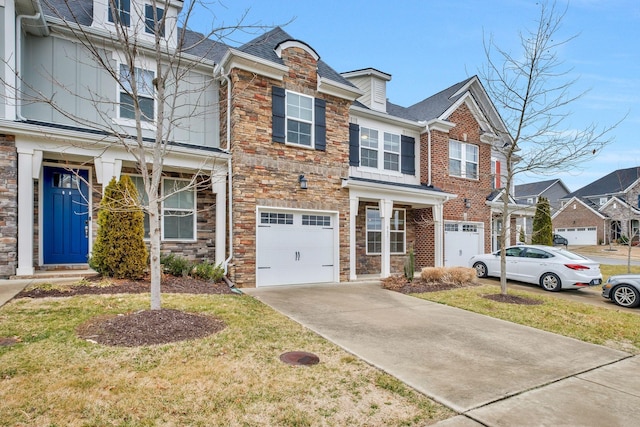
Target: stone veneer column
x,y
8,206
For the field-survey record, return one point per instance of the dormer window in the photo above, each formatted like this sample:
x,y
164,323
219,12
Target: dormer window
x,y
122,9
151,18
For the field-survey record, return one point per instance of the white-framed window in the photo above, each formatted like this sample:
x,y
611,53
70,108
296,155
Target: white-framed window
x,y
178,210
391,152
299,119
397,241
603,200
371,154
150,20
463,159
144,200
143,80
368,147
122,9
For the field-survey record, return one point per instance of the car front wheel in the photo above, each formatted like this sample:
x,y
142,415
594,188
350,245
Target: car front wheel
x,y
626,296
550,282
481,269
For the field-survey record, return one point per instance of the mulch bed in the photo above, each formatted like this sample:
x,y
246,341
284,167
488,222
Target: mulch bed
x,y
146,327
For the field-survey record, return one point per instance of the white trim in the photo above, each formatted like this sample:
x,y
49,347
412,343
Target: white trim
x,y
296,43
339,90
416,197
253,64
288,117
194,211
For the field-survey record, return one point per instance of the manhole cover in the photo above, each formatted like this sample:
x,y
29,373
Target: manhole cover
x,y
299,358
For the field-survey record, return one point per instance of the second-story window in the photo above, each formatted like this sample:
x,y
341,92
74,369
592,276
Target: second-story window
x,y
299,119
371,154
122,10
391,152
463,160
143,80
150,20
369,148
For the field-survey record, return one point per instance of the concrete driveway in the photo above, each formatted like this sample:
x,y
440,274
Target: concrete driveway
x,y
490,371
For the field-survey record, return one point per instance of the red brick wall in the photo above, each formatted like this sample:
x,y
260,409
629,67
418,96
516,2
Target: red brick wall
x,y
581,216
475,190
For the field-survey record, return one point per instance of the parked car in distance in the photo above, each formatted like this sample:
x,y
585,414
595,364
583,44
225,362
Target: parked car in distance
x,y
549,267
623,289
559,240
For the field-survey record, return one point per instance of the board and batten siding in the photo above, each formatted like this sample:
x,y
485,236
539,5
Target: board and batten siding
x,y
54,65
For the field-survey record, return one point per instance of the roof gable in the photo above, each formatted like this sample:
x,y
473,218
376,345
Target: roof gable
x,y
537,188
571,202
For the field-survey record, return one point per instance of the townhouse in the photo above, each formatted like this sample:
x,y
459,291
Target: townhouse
x,y
312,176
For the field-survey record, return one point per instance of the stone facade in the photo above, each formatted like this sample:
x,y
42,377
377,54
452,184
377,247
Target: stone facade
x,y
8,206
265,173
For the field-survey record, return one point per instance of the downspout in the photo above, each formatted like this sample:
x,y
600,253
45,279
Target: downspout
x,y
18,81
230,198
428,156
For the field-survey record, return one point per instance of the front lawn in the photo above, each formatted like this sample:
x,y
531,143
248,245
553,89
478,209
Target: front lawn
x,y
49,376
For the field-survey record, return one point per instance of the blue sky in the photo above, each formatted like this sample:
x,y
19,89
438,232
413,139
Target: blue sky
x,y
429,45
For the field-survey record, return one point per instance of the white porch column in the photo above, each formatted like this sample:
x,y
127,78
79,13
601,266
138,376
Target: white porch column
x,y
25,212
220,190
353,216
438,235
386,210
107,169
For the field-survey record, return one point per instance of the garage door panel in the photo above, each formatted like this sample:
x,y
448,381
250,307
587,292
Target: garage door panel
x,y
579,235
461,242
294,252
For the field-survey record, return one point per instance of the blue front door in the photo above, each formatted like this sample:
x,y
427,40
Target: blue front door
x,y
65,213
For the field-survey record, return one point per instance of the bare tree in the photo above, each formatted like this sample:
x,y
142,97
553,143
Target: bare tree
x,y
532,91
158,100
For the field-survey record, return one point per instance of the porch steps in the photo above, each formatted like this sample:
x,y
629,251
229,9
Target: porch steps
x,y
71,275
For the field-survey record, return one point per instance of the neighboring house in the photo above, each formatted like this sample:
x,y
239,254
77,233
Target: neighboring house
x,y
328,180
529,194
604,211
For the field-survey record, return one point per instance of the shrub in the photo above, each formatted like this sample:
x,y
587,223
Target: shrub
x,y
410,266
176,265
450,275
119,250
208,271
542,227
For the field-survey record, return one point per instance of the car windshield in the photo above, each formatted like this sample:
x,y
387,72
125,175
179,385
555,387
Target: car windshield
x,y
565,253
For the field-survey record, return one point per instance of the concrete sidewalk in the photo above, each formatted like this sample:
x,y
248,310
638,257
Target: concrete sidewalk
x,y
490,371
11,288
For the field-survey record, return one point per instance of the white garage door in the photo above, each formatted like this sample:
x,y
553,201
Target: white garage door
x,y
579,235
295,248
461,242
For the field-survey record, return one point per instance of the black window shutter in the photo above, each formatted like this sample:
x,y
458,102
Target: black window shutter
x,y
320,124
278,113
408,155
354,144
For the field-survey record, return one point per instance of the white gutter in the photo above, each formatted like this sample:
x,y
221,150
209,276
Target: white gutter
x,y
18,84
18,53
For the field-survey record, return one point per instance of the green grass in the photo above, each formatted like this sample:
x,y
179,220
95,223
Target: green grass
x,y
233,378
610,270
608,327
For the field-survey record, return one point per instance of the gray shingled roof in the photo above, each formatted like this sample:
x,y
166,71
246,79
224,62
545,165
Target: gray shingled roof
x,y
533,188
435,105
613,183
81,11
264,46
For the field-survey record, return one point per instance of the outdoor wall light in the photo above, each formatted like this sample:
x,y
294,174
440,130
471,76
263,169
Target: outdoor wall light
x,y
467,203
303,182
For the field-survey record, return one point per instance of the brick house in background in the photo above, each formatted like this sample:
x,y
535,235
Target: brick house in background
x,y
328,182
603,211
529,194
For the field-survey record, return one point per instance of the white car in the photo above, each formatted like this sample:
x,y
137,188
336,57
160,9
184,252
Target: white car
x,y
550,267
